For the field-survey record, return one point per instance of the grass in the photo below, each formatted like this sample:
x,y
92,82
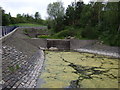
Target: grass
x,y
48,37
26,24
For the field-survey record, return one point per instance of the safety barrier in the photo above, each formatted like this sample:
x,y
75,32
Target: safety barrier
x,y
7,29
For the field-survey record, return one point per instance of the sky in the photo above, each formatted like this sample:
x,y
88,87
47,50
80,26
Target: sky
x,y
31,6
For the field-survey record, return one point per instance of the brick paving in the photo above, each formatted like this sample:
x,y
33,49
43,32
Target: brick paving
x,y
19,71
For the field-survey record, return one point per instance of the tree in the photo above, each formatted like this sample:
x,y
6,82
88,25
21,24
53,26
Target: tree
x,y
73,13
56,14
55,10
5,18
110,24
70,15
37,16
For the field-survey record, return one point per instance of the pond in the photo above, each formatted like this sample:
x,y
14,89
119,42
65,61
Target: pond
x,y
78,70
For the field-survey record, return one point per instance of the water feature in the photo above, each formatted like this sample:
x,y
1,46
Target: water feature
x,y
78,70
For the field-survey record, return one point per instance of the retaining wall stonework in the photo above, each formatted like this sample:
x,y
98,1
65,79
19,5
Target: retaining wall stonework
x,y
37,42
59,43
19,71
21,61
76,44
93,46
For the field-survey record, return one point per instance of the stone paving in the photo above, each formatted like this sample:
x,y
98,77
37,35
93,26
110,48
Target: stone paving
x,y
79,70
19,70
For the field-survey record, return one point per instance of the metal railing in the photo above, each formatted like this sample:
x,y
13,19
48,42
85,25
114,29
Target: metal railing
x,y
6,29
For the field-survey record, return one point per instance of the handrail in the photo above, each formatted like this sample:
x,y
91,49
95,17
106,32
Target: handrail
x,y
7,29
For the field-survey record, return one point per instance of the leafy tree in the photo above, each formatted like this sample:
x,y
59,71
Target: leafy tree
x,y
73,13
56,14
70,15
55,10
110,24
37,16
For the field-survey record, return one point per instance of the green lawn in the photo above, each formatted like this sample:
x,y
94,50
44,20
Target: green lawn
x,y
26,24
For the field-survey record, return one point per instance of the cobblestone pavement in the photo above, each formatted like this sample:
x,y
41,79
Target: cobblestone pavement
x,y
79,70
19,71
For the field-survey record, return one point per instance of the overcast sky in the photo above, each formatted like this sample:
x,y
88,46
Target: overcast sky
x,y
30,6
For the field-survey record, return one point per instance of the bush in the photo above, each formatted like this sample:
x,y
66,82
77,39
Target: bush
x,y
43,36
90,32
65,33
110,39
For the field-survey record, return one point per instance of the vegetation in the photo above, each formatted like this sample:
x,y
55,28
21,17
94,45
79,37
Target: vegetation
x,y
7,19
95,20
26,24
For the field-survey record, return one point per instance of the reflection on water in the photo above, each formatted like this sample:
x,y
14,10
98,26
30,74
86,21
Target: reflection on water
x,y
79,70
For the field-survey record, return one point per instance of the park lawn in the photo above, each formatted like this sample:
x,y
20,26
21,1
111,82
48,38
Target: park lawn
x,y
26,24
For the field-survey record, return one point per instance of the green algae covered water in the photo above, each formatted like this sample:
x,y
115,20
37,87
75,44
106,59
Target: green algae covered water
x,y
79,70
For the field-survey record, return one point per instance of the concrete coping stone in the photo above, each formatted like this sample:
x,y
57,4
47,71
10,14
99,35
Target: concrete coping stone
x,y
117,55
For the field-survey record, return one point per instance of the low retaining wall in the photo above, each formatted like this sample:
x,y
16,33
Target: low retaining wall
x,y
116,55
37,42
92,46
76,44
59,43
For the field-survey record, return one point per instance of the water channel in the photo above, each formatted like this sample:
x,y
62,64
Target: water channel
x,y
78,70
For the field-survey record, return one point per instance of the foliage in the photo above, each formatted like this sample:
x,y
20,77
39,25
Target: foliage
x,y
43,36
26,24
7,19
90,32
69,31
56,16
55,10
14,68
95,20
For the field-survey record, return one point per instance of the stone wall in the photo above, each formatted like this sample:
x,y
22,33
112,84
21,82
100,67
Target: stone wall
x,y
93,46
22,61
76,44
19,71
58,43
37,42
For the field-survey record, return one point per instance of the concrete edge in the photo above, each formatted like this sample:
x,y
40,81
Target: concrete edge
x,y
116,55
8,35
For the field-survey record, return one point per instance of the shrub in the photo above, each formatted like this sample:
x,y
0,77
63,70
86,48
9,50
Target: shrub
x,y
43,36
90,32
65,33
110,39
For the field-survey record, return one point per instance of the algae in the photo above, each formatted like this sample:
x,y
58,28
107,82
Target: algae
x,y
79,70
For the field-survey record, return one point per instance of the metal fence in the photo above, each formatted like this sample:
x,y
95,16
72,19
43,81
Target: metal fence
x,y
7,29
4,30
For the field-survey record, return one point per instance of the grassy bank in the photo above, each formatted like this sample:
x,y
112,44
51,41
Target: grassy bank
x,y
27,24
